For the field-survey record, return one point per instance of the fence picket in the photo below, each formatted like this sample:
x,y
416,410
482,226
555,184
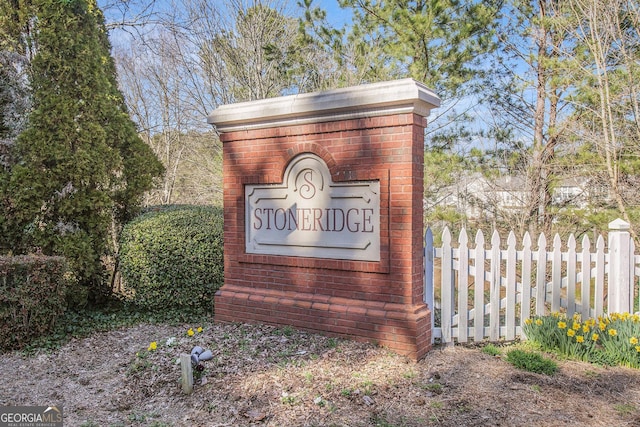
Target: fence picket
x,y
525,289
585,289
478,288
494,286
556,273
571,275
447,288
510,311
463,287
541,276
599,276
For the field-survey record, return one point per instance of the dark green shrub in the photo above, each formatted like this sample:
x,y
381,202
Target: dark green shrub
x,y
171,258
532,362
32,297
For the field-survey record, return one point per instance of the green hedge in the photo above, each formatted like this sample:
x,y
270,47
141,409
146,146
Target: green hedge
x,y
171,258
32,297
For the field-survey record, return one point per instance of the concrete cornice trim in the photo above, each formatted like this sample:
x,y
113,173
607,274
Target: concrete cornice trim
x,y
368,100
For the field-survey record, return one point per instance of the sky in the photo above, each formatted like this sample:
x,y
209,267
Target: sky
x,y
335,14
118,11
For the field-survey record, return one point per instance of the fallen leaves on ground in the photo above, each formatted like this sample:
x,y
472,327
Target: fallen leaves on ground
x,y
266,376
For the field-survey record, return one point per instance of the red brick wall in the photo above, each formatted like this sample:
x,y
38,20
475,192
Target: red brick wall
x,y
376,301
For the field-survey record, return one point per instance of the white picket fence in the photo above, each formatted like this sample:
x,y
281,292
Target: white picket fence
x,y
488,293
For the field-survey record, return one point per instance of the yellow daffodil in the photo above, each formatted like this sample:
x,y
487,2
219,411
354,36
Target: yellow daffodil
x,y
613,332
576,326
638,348
571,332
199,329
538,322
153,346
528,321
580,339
562,325
595,337
585,328
633,340
190,332
602,326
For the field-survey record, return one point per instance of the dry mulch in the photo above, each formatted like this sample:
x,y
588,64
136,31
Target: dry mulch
x,y
266,376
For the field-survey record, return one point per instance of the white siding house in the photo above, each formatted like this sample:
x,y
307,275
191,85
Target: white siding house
x,y
478,196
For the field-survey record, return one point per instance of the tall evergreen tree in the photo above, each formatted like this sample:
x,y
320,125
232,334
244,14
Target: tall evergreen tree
x,y
350,55
14,93
441,43
529,98
438,42
81,168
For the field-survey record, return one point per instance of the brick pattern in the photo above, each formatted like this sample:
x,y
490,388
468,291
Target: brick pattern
x,y
379,301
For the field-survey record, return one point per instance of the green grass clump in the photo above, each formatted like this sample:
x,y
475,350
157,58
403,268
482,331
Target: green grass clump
x,y
491,350
531,362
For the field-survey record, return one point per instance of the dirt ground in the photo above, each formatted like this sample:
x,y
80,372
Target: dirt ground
x,y
264,376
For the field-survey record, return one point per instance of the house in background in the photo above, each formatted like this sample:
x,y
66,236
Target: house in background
x,y
488,198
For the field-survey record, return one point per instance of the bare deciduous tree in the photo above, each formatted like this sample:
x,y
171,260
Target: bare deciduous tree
x,y
193,57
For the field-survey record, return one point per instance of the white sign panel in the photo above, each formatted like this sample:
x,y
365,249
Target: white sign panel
x,y
308,215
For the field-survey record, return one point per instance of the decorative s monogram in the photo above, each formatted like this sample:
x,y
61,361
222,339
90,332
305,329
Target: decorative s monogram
x,y
307,188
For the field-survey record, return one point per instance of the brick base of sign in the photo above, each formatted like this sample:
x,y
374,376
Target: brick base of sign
x,y
404,328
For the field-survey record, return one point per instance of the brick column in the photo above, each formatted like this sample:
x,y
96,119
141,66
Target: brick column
x,y
369,133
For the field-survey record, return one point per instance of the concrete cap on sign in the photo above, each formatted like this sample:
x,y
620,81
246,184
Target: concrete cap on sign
x,y
368,100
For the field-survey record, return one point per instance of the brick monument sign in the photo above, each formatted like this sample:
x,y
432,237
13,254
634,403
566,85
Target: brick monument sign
x,y
323,221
